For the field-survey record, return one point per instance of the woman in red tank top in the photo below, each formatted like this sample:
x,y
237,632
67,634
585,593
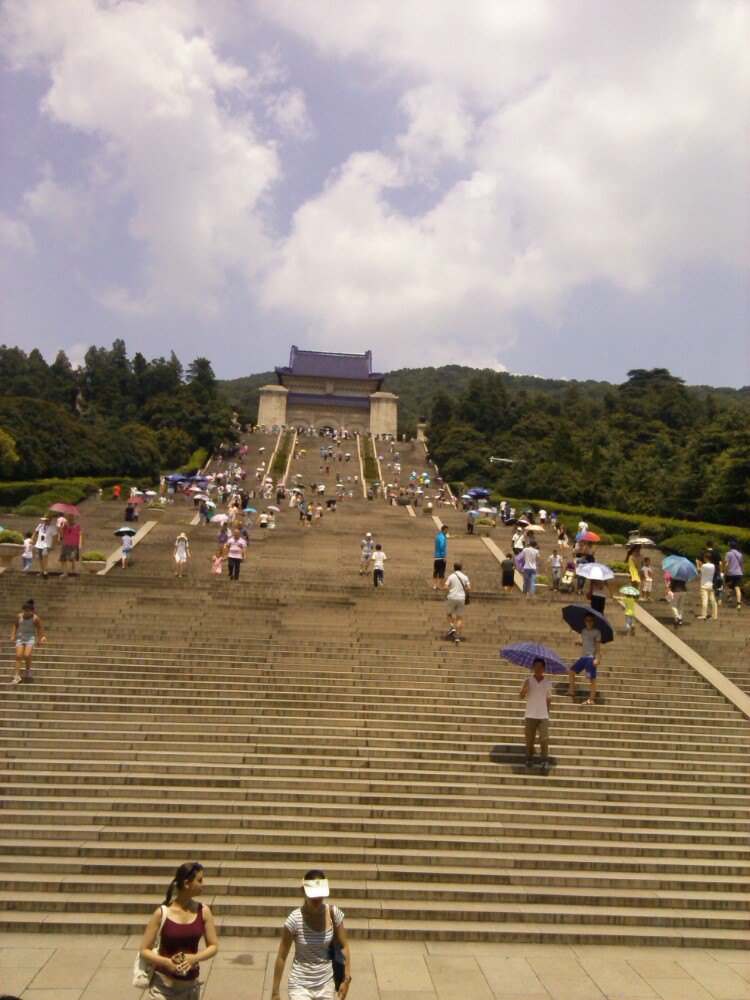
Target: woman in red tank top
x,y
177,959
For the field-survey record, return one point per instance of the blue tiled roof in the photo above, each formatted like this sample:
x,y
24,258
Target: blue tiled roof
x,y
322,364
328,399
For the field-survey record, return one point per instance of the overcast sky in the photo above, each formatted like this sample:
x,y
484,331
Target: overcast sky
x,y
555,187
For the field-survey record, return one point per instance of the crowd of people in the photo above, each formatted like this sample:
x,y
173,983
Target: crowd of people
x,y
170,951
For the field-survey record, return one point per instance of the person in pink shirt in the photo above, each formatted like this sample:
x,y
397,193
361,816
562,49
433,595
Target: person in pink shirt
x,y
72,540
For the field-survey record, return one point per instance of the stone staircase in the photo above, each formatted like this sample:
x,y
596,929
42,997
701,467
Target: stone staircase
x,y
299,718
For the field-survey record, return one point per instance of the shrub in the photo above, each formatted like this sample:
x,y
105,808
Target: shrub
x,y
196,461
618,566
93,556
605,537
282,455
33,508
615,521
155,505
368,458
485,520
14,493
652,529
687,544
619,539
11,537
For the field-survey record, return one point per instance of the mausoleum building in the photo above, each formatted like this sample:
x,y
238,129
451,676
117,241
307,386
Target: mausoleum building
x,y
326,390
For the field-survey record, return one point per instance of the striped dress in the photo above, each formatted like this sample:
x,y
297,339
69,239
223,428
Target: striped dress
x,y
311,966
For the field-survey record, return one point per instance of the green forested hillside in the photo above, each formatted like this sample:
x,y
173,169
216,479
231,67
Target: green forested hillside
x,y
651,445
113,415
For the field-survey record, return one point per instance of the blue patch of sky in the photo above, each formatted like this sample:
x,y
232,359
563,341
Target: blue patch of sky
x,y
694,323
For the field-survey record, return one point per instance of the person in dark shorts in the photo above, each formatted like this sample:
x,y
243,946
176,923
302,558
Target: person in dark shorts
x,y
734,573
591,641
508,567
441,556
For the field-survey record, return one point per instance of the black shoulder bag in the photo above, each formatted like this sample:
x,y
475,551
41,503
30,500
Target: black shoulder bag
x,y
467,595
338,959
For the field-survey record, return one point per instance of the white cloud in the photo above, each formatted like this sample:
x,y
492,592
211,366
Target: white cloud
x,y
54,202
177,138
15,234
596,145
439,127
288,111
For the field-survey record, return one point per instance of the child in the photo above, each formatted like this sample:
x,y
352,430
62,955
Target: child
x,y
27,556
378,562
218,561
26,630
127,545
181,553
647,577
555,562
629,614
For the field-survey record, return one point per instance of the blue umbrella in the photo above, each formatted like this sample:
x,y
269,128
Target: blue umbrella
x,y
176,477
473,513
680,568
479,491
249,510
524,653
575,615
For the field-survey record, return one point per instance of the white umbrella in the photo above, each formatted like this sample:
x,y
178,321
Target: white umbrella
x,y
150,493
220,519
641,541
273,507
210,503
484,510
194,489
595,571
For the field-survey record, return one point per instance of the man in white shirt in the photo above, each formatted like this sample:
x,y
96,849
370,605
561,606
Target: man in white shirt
x,y
367,545
458,589
542,516
530,556
43,540
537,690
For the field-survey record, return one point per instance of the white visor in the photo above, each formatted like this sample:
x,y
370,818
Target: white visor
x,y
316,888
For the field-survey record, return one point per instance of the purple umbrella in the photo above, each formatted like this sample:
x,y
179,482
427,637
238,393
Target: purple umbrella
x,y
524,653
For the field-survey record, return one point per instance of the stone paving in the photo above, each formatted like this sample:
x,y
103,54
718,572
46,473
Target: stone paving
x,y
98,967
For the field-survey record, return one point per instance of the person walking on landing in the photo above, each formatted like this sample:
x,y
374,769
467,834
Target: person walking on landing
x,y
313,928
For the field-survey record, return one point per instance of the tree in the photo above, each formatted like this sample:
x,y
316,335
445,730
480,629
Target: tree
x,y
9,457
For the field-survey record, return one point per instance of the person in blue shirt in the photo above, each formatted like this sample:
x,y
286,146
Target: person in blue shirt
x,y
441,555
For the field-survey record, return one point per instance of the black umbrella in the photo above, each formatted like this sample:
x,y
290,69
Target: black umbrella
x,y
575,615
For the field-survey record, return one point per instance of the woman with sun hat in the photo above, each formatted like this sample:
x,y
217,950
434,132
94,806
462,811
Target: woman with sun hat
x,y
313,927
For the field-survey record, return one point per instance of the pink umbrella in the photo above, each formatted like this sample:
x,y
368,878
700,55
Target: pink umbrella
x,y
65,508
